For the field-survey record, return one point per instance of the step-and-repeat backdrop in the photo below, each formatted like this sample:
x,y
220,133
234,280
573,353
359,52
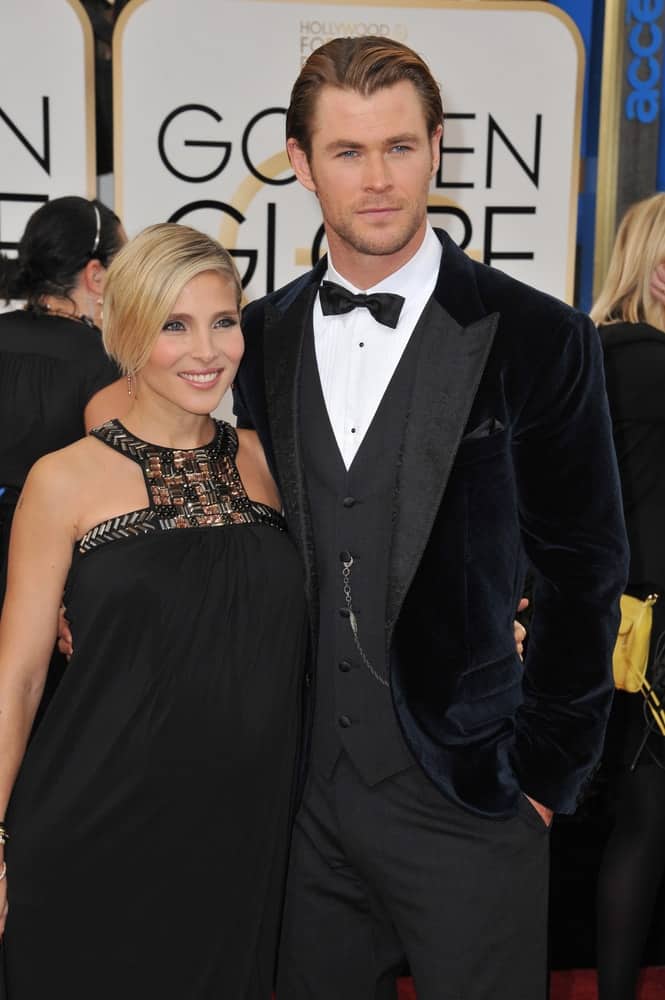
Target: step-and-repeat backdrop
x,y
47,108
200,95
200,92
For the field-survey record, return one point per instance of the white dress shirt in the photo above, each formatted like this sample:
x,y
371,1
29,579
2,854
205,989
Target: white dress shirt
x,y
357,356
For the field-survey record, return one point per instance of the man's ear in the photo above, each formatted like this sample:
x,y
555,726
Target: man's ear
x,y
300,164
435,145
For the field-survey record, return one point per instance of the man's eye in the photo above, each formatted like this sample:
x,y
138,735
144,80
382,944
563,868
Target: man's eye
x,y
401,149
348,154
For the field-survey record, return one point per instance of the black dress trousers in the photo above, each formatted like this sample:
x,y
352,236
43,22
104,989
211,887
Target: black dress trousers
x,y
392,874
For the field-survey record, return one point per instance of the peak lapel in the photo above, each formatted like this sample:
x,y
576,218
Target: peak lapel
x,y
283,340
450,365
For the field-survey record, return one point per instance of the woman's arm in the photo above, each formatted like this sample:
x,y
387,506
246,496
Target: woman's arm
x,y
254,472
43,534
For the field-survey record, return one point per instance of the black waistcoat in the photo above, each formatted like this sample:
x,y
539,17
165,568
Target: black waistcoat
x,y
351,512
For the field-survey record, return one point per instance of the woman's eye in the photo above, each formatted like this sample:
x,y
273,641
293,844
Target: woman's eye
x,y
173,326
226,321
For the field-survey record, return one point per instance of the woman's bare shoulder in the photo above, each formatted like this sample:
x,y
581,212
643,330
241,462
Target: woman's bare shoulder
x,y
62,477
59,469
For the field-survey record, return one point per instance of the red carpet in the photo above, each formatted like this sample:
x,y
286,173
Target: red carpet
x,y
580,984
577,984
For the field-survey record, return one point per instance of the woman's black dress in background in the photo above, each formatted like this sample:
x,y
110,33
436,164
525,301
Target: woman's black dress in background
x,y
150,819
634,356
633,860
50,368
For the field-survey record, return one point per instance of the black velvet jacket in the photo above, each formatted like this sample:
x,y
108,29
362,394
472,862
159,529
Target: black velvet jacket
x,y
506,457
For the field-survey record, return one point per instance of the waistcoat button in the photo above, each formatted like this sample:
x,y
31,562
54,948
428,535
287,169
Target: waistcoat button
x,y
349,501
344,666
344,721
345,556
344,613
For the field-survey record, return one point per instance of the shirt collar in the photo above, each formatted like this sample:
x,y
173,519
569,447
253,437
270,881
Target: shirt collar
x,y
410,278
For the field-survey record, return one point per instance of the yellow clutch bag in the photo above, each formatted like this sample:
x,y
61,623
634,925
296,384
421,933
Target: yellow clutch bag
x,y
631,651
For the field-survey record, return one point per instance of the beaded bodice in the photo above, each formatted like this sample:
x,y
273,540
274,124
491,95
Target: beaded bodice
x,y
187,488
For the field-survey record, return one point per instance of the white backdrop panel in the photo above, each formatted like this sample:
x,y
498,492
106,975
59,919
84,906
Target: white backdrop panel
x,y
47,137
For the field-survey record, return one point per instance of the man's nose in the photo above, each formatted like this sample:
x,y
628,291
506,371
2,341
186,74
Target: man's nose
x,y
377,173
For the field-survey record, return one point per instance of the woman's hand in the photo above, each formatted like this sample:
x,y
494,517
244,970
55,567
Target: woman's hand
x,y
65,642
518,629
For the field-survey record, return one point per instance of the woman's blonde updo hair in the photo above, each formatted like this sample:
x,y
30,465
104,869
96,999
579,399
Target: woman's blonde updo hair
x,y
146,278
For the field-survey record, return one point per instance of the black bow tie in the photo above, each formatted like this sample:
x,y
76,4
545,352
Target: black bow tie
x,y
384,306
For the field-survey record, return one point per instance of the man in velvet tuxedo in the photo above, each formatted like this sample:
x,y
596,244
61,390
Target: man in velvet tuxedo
x,y
434,426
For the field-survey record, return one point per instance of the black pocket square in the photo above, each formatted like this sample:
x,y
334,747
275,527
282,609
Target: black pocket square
x,y
488,427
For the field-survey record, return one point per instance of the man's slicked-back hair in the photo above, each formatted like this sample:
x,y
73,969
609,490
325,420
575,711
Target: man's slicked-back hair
x,y
364,64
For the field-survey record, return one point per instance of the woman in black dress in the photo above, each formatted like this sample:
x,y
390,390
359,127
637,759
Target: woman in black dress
x,y
632,325
56,380
149,817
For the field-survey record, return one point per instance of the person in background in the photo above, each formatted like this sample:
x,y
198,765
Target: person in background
x,y
631,319
149,817
56,380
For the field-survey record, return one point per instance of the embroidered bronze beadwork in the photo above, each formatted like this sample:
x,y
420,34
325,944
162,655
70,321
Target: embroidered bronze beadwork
x,y
193,488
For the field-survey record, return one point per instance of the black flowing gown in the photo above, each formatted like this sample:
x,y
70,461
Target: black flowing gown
x,y
150,818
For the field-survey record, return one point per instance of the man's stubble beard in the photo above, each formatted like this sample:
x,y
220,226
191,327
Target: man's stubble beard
x,y
376,246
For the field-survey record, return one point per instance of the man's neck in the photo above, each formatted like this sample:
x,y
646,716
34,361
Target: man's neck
x,y
365,270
